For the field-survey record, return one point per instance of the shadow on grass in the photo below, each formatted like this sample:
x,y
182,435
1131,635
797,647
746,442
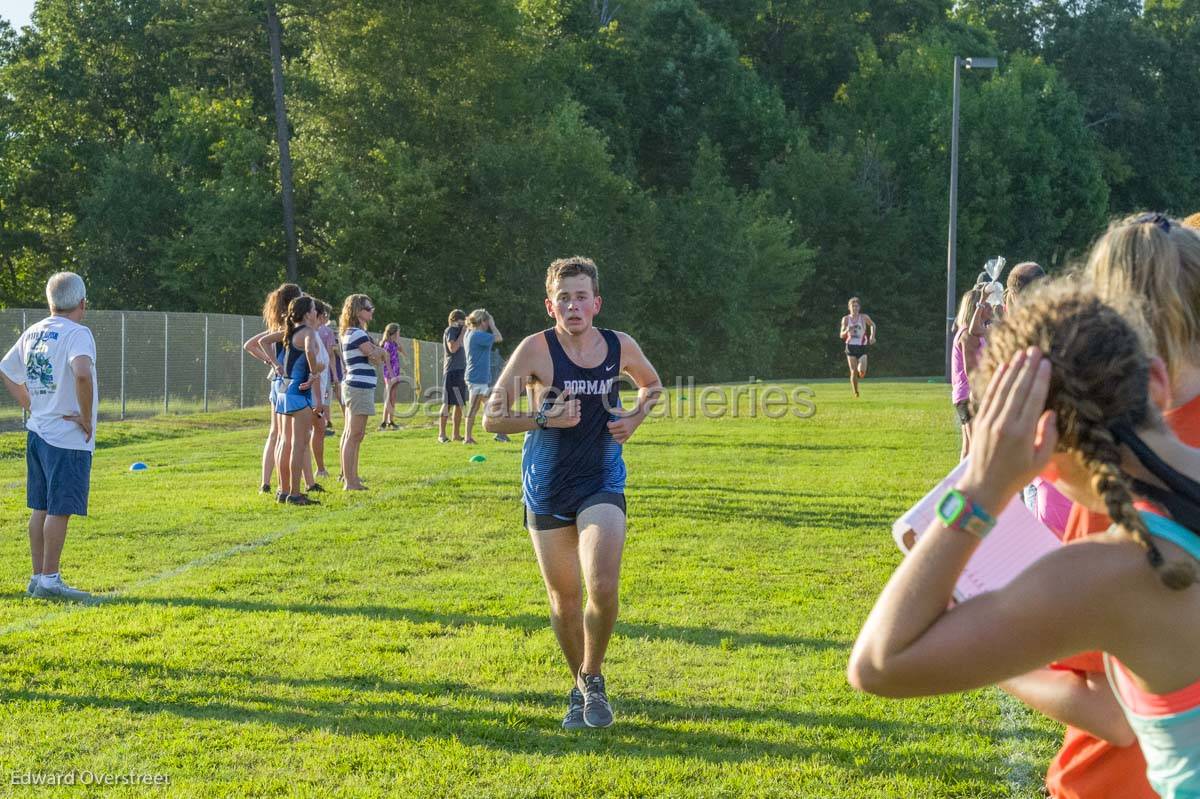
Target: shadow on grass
x,y
712,502
524,622
525,722
731,440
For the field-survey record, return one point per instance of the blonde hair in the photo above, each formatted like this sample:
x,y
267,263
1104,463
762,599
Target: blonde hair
x,y
1153,259
1100,376
1192,221
351,308
392,329
477,317
966,309
570,267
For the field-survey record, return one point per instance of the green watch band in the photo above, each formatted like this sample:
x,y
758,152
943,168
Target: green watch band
x,y
958,512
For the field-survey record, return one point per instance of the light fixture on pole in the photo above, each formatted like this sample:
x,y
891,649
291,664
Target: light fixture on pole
x,y
952,244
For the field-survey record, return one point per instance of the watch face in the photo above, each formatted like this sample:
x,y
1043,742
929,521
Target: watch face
x,y
950,507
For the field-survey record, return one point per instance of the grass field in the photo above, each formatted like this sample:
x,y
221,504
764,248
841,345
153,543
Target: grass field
x,y
395,643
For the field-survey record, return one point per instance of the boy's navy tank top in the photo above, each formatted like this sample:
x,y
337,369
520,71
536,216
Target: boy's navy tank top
x,y
561,467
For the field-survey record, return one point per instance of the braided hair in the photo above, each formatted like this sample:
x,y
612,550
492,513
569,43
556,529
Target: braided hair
x,y
1099,379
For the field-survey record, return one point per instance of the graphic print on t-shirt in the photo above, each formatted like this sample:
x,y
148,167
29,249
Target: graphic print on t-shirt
x,y
855,329
39,371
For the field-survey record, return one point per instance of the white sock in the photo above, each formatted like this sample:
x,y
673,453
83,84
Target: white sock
x,y
49,578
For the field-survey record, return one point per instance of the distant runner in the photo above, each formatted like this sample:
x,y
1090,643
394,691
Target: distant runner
x,y
854,333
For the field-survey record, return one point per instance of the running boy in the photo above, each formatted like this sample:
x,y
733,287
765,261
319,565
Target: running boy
x,y
573,476
854,333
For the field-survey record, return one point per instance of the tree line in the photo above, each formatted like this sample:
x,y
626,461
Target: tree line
x,y
737,168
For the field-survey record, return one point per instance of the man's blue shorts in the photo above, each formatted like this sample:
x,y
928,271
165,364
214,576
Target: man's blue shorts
x,y
56,480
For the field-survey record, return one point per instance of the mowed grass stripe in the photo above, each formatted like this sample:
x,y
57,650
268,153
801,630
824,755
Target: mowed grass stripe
x,y
396,643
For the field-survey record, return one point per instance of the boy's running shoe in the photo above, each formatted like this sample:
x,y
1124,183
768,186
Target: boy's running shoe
x,y
597,712
574,718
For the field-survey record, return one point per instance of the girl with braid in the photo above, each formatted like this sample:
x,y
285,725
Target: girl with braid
x,y
1155,261
1066,381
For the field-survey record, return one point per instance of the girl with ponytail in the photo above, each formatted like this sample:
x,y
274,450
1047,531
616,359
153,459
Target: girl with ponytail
x,y
268,348
294,401
1065,383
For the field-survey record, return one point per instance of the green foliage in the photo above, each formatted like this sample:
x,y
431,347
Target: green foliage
x,y
549,191
731,272
737,169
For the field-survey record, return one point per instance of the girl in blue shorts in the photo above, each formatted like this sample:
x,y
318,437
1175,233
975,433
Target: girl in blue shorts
x,y
294,396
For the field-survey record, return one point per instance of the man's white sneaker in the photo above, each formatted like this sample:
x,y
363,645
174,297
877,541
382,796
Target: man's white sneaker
x,y
56,589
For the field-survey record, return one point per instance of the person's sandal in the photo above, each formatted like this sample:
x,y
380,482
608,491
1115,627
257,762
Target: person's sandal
x,y
301,499
316,488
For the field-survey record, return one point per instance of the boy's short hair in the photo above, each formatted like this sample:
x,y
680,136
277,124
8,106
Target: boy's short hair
x,y
477,317
570,267
1022,275
456,316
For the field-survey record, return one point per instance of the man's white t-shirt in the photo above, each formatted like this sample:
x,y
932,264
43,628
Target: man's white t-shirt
x,y
41,361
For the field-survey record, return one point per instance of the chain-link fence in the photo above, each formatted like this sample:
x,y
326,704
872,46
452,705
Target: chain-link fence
x,y
150,363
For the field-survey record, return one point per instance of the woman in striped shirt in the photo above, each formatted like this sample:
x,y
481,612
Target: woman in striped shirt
x,y
358,388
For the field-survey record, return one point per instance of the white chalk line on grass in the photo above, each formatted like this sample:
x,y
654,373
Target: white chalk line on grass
x,y
1022,778
216,557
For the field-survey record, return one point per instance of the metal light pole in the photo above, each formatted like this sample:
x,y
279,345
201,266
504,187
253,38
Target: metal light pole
x,y
952,238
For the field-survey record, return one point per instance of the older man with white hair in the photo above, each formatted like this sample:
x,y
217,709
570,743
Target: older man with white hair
x,y
51,372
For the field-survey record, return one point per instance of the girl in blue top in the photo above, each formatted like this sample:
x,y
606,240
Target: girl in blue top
x,y
1065,383
266,347
294,400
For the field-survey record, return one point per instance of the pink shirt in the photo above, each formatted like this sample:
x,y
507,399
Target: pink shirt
x,y
960,384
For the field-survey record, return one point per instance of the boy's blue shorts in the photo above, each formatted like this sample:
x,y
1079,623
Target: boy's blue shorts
x,y
56,480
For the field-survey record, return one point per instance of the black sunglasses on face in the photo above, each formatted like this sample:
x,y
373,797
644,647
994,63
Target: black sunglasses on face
x,y
369,308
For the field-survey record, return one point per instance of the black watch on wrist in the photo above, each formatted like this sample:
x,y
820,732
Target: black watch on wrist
x,y
539,419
